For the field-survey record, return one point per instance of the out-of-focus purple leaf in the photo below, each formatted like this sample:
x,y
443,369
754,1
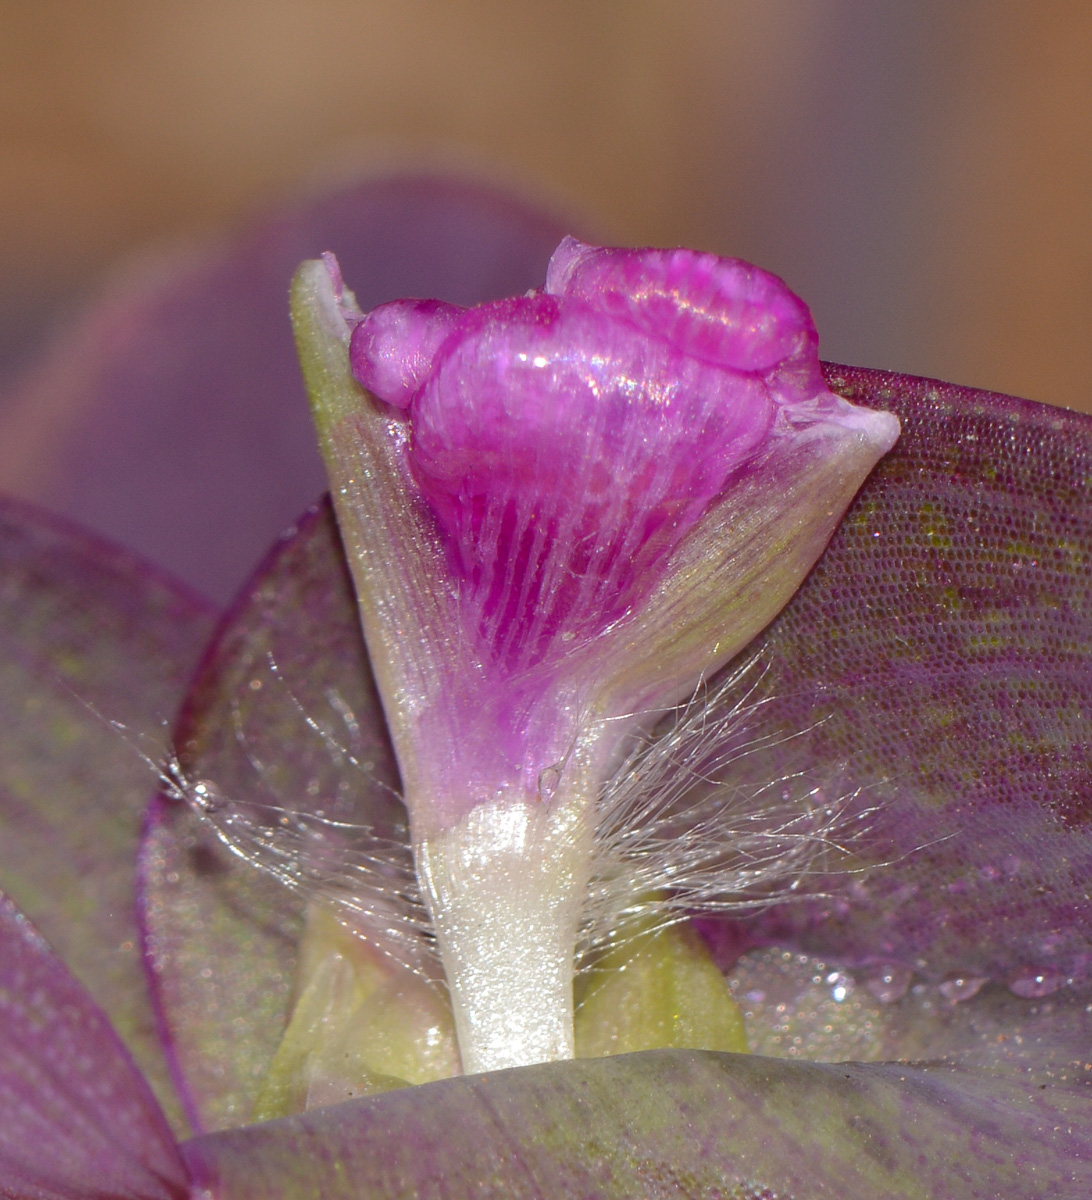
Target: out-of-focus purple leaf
x,y
76,1118
665,1124
275,722
89,635
172,415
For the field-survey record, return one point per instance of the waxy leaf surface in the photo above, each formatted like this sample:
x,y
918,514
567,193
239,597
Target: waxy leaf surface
x,y
665,1124
939,658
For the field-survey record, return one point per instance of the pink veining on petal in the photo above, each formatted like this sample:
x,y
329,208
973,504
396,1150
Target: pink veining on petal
x,y
569,439
566,455
567,445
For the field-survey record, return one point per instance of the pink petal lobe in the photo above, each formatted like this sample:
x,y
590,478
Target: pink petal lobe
x,y
722,310
392,349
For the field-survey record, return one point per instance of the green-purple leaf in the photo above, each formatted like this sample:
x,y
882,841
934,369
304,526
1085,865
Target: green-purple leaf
x,y
974,595
89,636
939,658
667,1124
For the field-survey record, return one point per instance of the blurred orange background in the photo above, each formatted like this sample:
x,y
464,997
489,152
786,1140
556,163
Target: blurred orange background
x,y
921,172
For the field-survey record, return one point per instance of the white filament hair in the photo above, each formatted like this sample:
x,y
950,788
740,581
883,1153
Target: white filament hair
x,y
689,824
365,878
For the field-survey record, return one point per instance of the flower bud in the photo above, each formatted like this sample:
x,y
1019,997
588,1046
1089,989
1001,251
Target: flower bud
x,y
562,511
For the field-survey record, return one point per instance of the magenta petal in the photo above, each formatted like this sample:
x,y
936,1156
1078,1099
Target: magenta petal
x,y
392,349
77,1120
722,310
592,520
566,457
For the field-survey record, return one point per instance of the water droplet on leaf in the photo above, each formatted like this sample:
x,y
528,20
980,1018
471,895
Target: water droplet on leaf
x,y
889,982
958,987
1032,983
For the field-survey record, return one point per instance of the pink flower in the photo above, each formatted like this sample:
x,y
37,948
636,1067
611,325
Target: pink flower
x,y
564,511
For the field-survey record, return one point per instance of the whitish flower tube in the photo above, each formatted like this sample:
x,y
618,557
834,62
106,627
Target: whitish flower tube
x,y
562,511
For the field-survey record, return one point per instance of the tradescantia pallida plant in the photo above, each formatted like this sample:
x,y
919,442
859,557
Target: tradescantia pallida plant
x,y
900,754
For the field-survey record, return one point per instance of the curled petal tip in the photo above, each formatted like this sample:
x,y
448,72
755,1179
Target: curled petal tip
x,y
393,347
721,310
564,262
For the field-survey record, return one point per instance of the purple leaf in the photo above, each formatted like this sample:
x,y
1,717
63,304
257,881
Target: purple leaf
x,y
272,719
77,1121
939,659
665,1124
89,636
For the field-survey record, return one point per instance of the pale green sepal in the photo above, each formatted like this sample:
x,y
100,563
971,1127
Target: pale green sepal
x,y
361,1024
407,605
657,989
744,559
